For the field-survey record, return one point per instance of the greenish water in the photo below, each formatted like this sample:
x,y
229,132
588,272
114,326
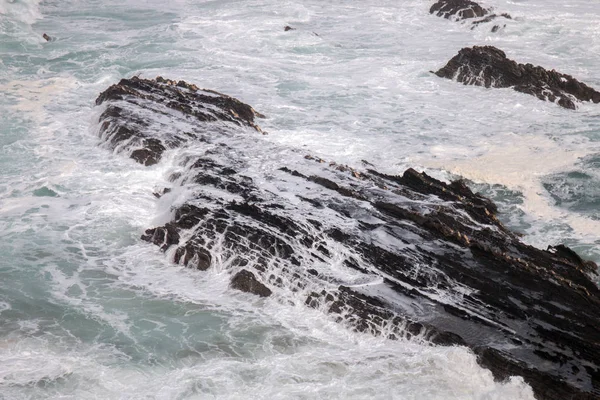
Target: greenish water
x,y
87,311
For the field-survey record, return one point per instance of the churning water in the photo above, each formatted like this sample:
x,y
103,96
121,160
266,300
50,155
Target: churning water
x,y
87,311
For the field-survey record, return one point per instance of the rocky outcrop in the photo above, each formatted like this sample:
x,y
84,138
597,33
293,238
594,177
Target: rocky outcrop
x,y
488,66
461,10
458,9
146,138
404,256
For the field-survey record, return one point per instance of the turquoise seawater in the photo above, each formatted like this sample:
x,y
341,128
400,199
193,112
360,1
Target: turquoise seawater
x,y
89,312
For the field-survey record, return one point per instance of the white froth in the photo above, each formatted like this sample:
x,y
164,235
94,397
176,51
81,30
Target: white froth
x,y
27,11
90,312
519,162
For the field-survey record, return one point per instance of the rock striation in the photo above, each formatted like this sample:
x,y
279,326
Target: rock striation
x,y
404,256
488,66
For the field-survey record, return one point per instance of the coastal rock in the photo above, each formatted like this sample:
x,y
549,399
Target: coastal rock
x,y
247,282
405,256
146,139
488,66
461,10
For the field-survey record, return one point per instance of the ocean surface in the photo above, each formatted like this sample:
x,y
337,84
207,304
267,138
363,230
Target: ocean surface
x,y
88,311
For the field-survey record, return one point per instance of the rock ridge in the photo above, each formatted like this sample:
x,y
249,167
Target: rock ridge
x,y
488,66
405,256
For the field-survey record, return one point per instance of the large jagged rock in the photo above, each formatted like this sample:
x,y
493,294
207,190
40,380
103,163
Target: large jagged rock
x,y
403,256
488,66
461,10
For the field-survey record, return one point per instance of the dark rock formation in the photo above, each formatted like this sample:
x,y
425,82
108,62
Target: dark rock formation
x,y
461,10
247,282
404,256
125,123
288,28
488,66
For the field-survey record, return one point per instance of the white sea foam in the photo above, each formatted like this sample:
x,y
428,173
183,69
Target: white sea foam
x,y
113,318
27,11
519,162
310,370
32,95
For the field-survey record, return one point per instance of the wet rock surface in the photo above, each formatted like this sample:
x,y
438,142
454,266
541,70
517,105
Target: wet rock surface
x,y
403,256
247,282
462,10
459,9
488,66
127,124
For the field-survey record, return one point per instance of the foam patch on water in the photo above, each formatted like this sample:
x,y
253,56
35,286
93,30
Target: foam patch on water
x,y
33,96
27,363
26,11
374,369
298,351
520,162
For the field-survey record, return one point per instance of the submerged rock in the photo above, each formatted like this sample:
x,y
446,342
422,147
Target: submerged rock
x,y
488,66
490,18
403,256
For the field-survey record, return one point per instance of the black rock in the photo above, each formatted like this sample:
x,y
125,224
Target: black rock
x,y
145,139
457,275
488,66
247,282
460,9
